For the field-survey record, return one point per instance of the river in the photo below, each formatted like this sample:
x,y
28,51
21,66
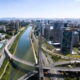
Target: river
x,y
24,51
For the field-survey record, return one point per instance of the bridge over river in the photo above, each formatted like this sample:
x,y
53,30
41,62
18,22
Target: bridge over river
x,y
14,58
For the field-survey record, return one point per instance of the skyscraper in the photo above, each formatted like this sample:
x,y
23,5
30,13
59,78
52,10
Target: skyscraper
x,y
66,42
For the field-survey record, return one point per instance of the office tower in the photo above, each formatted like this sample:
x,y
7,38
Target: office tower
x,y
57,32
47,32
66,41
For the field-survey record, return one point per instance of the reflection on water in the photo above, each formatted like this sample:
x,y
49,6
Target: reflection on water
x,y
23,51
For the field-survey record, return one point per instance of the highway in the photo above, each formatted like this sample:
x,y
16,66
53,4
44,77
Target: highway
x,y
50,67
66,62
28,75
46,60
50,62
2,55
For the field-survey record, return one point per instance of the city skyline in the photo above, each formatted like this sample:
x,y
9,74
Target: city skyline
x,y
40,8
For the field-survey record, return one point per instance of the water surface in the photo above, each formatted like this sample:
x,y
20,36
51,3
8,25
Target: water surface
x,y
23,51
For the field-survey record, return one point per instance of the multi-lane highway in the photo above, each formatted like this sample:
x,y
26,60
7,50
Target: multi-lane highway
x,y
28,75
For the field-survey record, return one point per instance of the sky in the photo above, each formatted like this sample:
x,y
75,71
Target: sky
x,y
40,8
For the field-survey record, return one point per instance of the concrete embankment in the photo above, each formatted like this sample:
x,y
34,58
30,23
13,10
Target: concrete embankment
x,y
34,51
35,41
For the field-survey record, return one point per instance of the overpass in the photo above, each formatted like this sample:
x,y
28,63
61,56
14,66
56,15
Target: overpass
x,y
14,58
66,62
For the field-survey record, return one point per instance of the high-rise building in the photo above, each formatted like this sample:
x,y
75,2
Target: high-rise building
x,y
52,32
75,38
67,41
57,31
47,32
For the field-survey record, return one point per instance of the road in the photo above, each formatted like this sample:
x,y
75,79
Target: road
x,y
2,55
2,59
28,75
66,62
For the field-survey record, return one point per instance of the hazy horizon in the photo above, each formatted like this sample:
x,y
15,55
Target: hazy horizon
x,y
39,8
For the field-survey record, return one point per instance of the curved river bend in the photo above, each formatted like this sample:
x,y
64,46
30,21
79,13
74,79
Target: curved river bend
x,y
24,51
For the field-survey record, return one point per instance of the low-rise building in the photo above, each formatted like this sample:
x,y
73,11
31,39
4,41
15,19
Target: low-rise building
x,y
2,36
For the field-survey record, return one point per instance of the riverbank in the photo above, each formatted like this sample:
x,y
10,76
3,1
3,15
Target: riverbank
x,y
14,46
7,67
34,52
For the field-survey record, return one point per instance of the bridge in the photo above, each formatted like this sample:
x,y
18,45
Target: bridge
x,y
14,58
66,62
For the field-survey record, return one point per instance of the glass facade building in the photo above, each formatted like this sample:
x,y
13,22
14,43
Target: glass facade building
x,y
66,42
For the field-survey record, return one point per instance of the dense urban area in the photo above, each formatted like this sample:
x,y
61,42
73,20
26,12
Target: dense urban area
x,y
40,49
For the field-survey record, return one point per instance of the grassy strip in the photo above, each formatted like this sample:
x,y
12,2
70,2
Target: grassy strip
x,y
56,58
3,75
34,52
73,55
3,66
47,45
6,75
3,71
13,47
